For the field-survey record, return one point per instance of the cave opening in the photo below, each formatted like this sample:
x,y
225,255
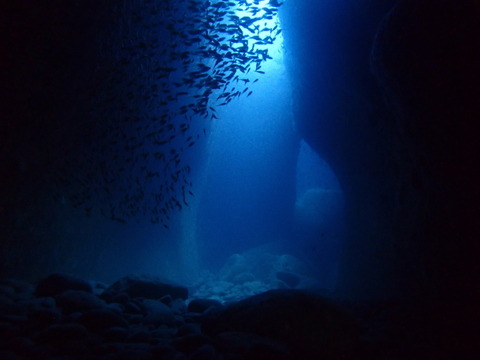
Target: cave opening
x,y
136,139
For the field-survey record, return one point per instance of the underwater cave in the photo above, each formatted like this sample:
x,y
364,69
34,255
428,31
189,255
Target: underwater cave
x,y
239,179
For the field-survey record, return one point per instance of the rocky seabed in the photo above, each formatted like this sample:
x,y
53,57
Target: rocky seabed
x,y
64,317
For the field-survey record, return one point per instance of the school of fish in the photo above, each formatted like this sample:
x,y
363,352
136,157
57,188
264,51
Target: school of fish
x,y
158,88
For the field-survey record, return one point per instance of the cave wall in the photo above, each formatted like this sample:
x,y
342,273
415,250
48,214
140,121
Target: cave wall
x,y
429,71
396,122
339,109
387,94
426,57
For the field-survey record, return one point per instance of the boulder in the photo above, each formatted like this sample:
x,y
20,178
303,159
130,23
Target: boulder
x,y
201,305
291,279
164,351
308,324
246,343
188,329
9,307
78,301
99,320
144,287
116,334
118,351
178,306
55,284
157,313
204,352
191,342
20,288
59,333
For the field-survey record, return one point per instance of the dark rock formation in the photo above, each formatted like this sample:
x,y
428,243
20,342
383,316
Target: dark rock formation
x,y
72,301
282,325
291,279
201,305
427,57
144,287
56,284
339,108
309,325
402,141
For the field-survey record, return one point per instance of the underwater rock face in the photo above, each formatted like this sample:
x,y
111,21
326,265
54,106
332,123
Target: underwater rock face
x,y
157,313
338,114
72,301
201,305
291,279
252,345
317,208
307,323
320,224
429,73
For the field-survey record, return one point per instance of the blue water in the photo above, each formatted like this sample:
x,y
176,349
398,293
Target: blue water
x,y
262,187
167,154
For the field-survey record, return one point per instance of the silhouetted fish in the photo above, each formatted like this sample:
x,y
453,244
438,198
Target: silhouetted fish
x,y
163,76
